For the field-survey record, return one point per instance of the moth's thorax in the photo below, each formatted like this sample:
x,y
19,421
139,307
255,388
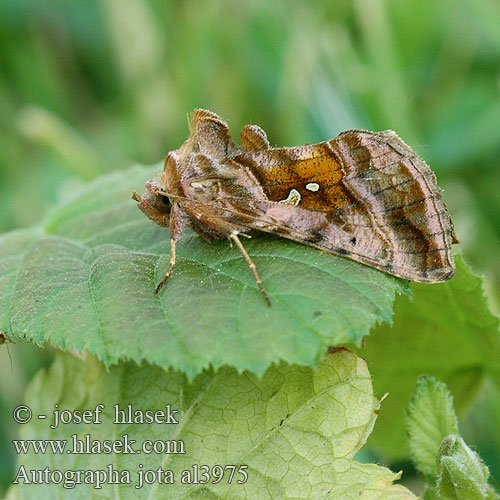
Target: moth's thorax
x,y
180,171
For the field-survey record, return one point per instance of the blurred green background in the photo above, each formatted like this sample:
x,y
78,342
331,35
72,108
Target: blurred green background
x,y
88,87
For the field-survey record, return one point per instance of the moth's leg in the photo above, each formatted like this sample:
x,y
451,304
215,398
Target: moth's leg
x,y
177,221
253,138
170,267
242,234
234,237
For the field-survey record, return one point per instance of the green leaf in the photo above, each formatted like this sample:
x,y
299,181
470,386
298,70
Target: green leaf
x,y
453,470
462,474
430,418
86,281
481,427
297,429
446,331
431,493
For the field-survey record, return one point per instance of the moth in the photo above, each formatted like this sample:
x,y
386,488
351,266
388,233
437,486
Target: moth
x,y
363,195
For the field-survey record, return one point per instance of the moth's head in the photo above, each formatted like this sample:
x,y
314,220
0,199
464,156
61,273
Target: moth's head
x,y
158,195
154,202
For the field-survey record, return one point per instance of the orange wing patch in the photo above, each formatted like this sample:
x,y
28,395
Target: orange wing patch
x,y
313,171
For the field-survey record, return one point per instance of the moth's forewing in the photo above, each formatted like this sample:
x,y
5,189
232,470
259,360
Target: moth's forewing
x,y
363,194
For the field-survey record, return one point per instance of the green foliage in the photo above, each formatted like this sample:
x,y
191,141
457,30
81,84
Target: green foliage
x,y
94,267
453,470
91,87
462,475
430,419
447,331
296,428
481,427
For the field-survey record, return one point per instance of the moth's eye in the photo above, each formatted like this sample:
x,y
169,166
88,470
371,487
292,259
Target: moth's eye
x,y
162,203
